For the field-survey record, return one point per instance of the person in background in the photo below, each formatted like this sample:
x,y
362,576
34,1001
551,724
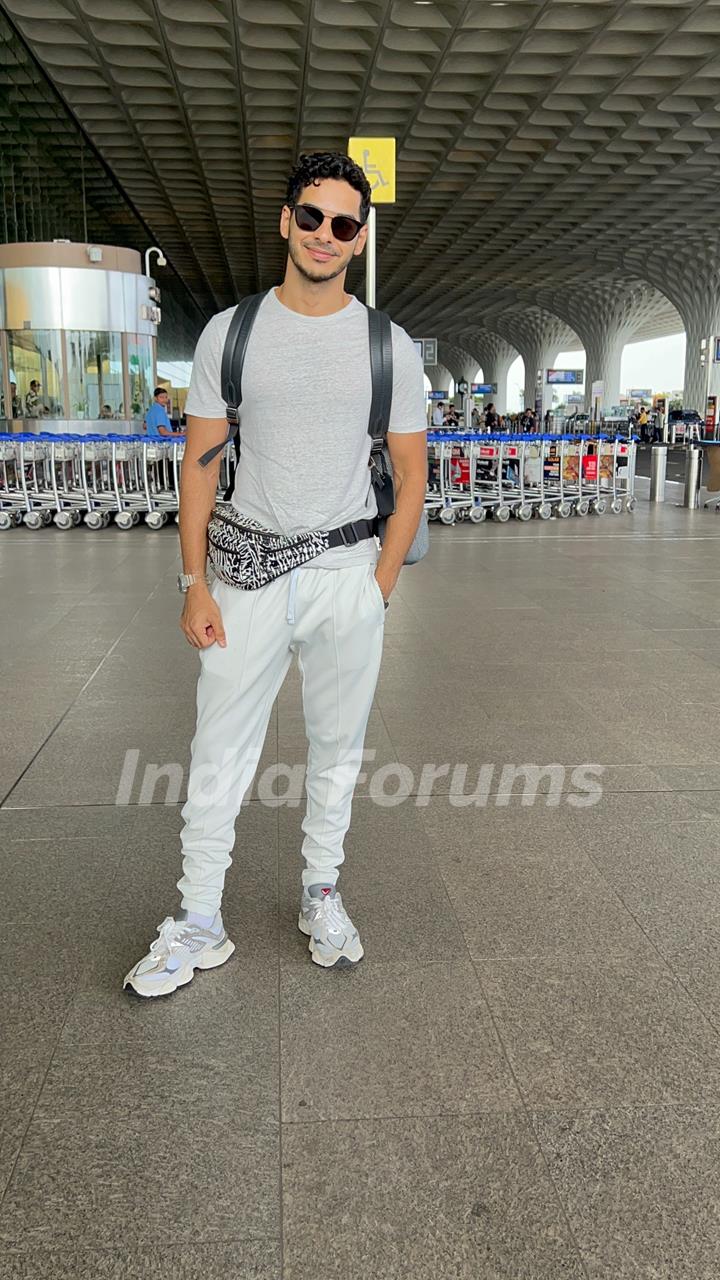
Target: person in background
x,y
106,411
492,421
33,407
451,418
157,418
642,423
437,414
475,418
14,401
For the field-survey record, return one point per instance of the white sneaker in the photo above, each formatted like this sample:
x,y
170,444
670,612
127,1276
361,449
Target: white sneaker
x,y
180,949
334,940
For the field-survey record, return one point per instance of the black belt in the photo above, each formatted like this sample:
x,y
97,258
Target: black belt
x,y
348,534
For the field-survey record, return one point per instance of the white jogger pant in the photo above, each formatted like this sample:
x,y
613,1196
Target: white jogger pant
x,y
333,621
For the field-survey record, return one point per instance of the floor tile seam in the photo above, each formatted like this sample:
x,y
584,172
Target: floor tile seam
x,y
601,951
69,708
619,1108
105,804
422,1117
525,1108
38,1095
665,962
20,1250
279,1009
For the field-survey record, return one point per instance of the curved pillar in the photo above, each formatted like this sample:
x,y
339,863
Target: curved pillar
x,y
604,358
439,375
538,335
702,321
495,358
605,315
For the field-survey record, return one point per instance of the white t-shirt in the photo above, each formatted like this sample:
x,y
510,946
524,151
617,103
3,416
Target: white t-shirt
x,y
306,393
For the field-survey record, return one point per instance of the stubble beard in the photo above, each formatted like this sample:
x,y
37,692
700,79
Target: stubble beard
x,y
313,277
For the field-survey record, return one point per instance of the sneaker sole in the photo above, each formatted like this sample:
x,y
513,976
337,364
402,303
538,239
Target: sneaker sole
x,y
211,960
343,961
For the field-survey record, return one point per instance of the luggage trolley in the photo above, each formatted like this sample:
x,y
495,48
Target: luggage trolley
x,y
96,464
129,479
159,478
617,473
558,489
449,470
433,499
68,482
36,478
498,484
12,493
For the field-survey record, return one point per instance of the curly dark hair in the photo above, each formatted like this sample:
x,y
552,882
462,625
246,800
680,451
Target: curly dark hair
x,y
312,168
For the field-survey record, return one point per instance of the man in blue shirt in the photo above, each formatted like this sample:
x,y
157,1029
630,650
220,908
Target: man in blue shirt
x,y
157,420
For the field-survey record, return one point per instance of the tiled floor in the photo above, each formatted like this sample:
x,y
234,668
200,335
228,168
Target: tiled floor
x,y
522,1079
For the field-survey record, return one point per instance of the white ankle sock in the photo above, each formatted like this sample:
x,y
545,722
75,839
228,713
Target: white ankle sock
x,y
205,922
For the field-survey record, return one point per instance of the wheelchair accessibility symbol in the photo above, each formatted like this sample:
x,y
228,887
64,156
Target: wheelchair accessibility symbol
x,y
376,157
373,174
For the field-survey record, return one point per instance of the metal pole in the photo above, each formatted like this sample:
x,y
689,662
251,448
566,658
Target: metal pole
x,y
658,471
693,471
370,260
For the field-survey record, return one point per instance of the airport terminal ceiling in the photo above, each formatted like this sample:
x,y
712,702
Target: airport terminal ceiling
x,y
557,162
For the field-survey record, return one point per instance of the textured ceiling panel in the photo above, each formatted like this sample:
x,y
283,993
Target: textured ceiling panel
x,y
553,158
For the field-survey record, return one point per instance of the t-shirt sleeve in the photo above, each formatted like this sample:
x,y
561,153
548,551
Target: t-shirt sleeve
x,y
203,398
408,402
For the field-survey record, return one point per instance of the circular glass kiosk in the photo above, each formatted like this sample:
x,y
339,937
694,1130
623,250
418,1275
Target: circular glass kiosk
x,y
78,338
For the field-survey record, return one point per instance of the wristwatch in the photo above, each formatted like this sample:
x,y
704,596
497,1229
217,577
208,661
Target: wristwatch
x,y
187,580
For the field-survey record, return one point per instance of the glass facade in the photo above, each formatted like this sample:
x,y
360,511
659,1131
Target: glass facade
x,y
95,381
35,358
140,366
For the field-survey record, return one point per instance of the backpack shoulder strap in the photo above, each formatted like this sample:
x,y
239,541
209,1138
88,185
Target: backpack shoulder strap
x,y
231,369
381,370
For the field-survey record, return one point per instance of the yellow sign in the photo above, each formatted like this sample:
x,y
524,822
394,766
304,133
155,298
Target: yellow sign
x,y
376,157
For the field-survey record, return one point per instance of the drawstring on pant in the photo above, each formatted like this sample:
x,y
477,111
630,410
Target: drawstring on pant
x,y
290,617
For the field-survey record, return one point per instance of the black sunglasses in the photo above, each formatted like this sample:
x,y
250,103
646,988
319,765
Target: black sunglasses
x,y
308,217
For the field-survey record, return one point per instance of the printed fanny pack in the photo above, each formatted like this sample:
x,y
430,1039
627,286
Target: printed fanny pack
x,y
242,552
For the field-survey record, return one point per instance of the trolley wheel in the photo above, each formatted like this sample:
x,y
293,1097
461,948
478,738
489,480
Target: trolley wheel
x,y
155,519
46,517
544,511
447,516
76,517
582,506
630,504
17,518
476,515
94,520
523,512
502,514
616,506
135,517
63,520
6,520
124,519
32,520
105,518
598,506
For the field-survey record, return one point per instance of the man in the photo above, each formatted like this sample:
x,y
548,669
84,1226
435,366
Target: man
x,y
492,421
33,408
157,418
438,416
306,394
